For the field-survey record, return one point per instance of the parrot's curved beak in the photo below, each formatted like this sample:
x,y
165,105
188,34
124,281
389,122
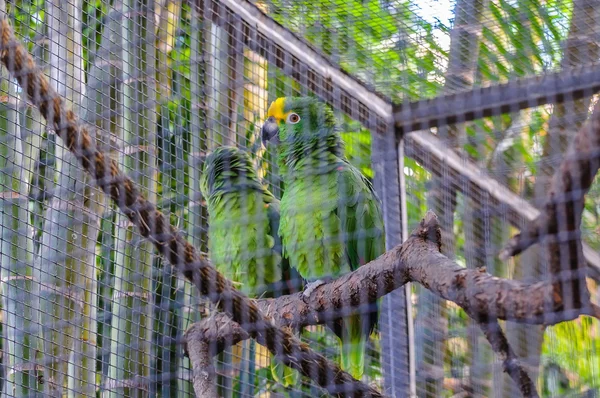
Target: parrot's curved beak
x,y
270,131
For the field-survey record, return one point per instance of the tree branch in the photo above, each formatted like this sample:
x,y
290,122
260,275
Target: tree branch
x,y
203,370
427,149
559,225
510,363
483,297
205,339
418,259
155,227
567,191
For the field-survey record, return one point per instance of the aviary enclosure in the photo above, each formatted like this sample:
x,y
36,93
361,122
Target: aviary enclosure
x,y
483,112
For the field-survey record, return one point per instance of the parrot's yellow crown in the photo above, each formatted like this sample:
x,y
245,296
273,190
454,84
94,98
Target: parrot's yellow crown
x,y
276,109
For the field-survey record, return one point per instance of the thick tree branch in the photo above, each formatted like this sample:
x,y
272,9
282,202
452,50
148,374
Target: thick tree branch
x,y
430,151
203,341
562,210
418,259
155,227
210,336
558,226
203,370
484,297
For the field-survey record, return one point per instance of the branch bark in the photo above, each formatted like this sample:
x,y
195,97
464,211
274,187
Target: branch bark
x,y
559,224
203,341
209,337
567,191
485,298
203,370
510,363
154,226
419,259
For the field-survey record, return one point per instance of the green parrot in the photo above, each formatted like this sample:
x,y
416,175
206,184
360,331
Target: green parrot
x,y
331,218
242,233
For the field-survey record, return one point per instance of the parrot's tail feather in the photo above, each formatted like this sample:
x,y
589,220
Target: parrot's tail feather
x,y
353,348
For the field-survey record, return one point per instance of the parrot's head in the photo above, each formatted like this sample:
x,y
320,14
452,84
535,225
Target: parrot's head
x,y
300,124
227,169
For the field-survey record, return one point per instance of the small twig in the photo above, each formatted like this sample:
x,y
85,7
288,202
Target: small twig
x,y
570,183
204,340
510,363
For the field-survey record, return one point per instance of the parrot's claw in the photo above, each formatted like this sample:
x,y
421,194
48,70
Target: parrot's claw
x,y
310,288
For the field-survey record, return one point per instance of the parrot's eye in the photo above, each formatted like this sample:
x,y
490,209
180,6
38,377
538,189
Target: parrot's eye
x,y
293,118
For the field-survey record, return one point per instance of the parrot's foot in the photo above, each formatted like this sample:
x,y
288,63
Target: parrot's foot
x,y
310,288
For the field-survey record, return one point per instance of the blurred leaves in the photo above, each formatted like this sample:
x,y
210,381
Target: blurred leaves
x,y
400,50
573,347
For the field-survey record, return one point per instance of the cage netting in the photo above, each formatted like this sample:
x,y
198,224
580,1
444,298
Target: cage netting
x,y
469,108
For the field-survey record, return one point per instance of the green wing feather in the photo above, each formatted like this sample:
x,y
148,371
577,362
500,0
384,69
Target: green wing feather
x,y
331,220
291,281
331,224
310,228
361,216
362,223
241,235
243,241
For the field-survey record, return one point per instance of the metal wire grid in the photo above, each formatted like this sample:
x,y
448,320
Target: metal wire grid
x,y
490,42
402,49
227,102
119,325
262,79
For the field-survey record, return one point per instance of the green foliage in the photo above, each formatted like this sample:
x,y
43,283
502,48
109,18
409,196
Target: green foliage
x,y
391,48
416,190
398,50
357,141
573,347
28,20
590,225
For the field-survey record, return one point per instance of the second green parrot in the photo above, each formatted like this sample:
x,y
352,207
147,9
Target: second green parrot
x,y
331,219
242,234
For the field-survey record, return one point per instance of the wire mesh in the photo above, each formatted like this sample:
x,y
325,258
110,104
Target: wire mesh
x,y
90,309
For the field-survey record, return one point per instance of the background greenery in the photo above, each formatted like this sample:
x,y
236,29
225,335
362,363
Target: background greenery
x,y
161,127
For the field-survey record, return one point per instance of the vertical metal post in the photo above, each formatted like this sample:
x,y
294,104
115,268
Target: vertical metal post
x,y
395,320
410,332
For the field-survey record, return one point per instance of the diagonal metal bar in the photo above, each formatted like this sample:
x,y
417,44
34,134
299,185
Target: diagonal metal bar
x,y
465,176
353,97
303,62
360,101
552,88
349,94
303,51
